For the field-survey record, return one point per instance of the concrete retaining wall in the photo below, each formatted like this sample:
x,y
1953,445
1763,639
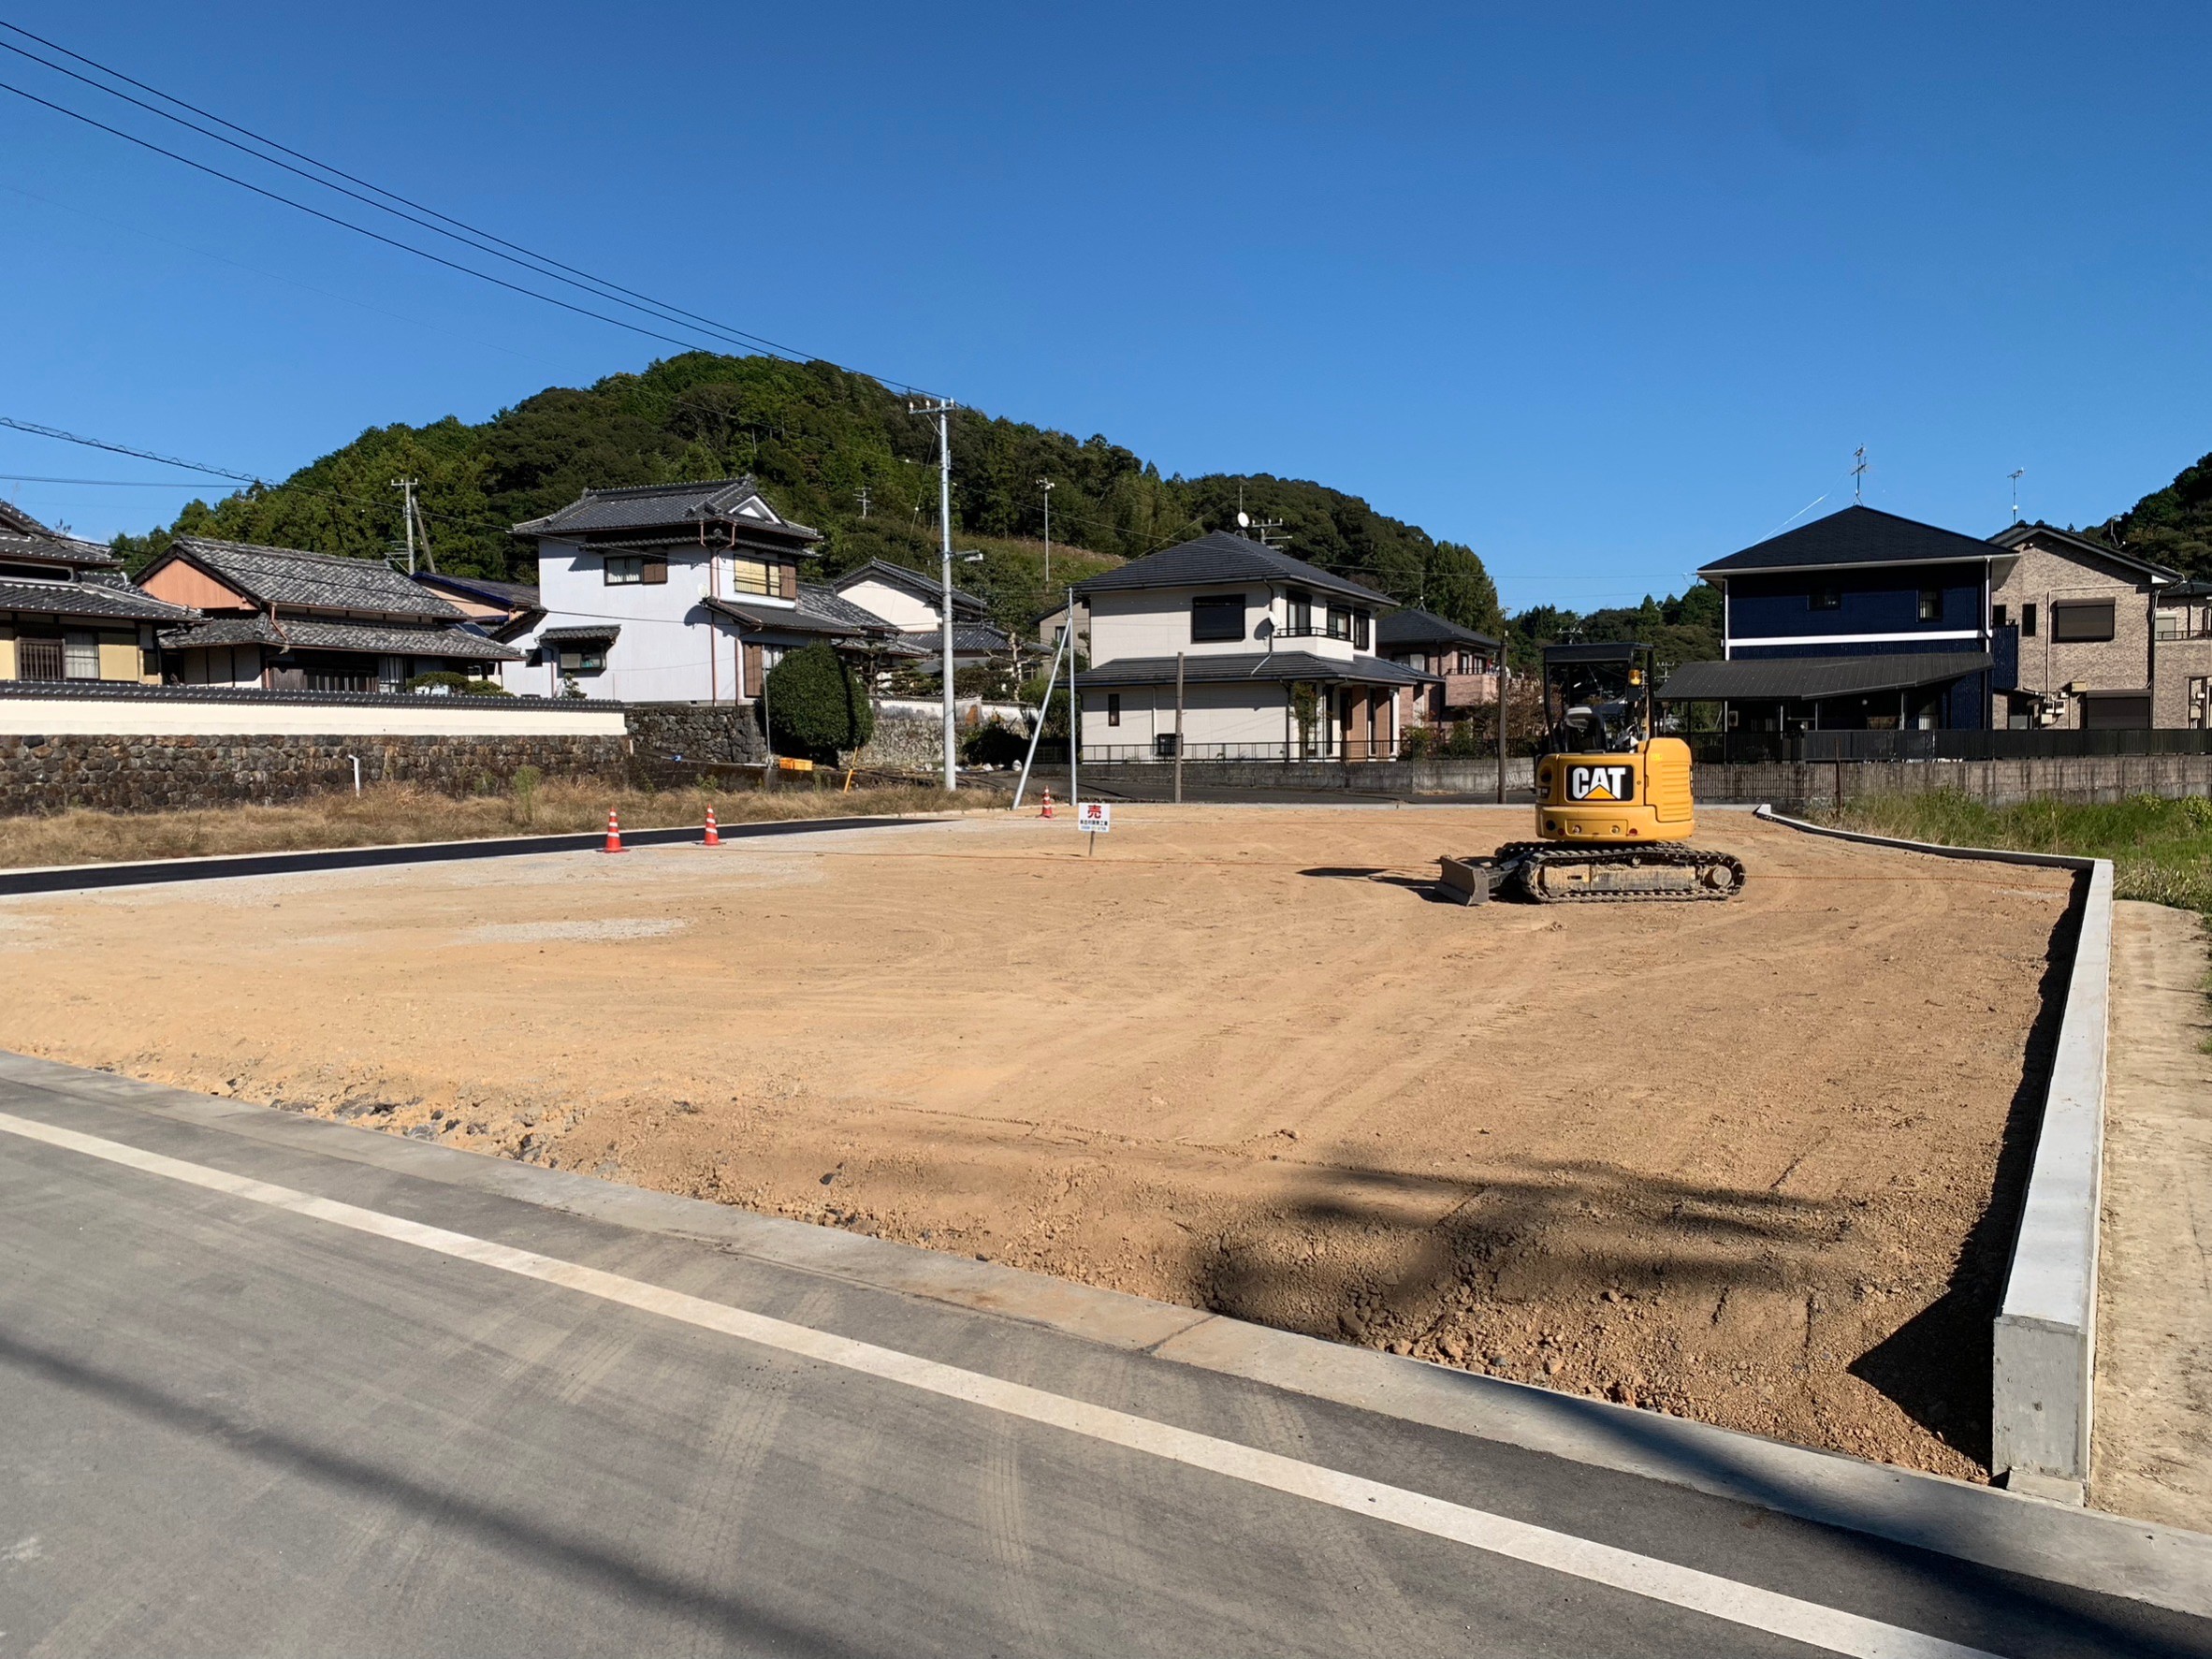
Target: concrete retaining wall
x,y
1151,780
2043,1371
1796,786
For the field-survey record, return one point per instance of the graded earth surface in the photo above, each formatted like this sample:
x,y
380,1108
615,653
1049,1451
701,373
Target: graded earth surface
x,y
1732,1161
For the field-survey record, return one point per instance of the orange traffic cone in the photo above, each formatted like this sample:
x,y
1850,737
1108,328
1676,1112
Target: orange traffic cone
x,y
614,834
1048,805
713,835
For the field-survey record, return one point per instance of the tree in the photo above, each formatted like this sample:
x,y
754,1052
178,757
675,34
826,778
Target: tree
x,y
2170,526
816,707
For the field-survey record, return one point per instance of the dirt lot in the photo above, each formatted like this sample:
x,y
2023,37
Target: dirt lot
x,y
1729,1160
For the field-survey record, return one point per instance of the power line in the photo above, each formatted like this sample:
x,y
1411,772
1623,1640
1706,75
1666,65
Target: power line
x,y
476,237
167,460
533,263
582,311
100,483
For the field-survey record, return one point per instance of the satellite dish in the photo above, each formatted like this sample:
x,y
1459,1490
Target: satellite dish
x,y
1243,520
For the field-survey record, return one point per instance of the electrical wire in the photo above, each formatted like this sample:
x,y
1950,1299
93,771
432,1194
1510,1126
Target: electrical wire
x,y
468,235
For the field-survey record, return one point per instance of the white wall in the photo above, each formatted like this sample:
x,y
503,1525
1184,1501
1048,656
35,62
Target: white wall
x,y
1211,714
901,610
1155,622
671,649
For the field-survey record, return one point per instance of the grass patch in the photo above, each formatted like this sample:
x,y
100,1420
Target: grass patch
x,y
2161,850
388,814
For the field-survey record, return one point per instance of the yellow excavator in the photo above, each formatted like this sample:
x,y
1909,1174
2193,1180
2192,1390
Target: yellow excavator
x,y
1613,804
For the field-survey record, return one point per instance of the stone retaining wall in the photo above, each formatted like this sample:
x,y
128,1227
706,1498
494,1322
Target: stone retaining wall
x,y
162,771
696,731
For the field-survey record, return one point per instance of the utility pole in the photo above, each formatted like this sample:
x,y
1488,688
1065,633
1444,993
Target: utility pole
x,y
1046,485
942,408
406,487
864,500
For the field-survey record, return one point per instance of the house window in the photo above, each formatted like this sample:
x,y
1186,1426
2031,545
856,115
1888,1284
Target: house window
x,y
1932,605
1997,615
37,659
1340,622
1300,605
1114,708
1216,616
2082,622
1829,598
624,571
753,575
80,656
2027,621
1361,622
1466,661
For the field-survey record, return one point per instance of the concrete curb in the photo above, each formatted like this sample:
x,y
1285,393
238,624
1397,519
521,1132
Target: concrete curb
x,y
2043,1381
2165,1566
77,878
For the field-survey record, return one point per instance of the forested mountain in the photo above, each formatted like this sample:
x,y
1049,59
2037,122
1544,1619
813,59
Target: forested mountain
x,y
817,437
2172,526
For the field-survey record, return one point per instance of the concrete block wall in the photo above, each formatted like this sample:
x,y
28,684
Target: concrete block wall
x,y
1796,786
1150,781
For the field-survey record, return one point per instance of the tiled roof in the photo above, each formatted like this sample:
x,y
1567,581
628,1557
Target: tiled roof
x,y
286,577
607,631
1260,668
22,537
456,643
820,610
124,604
521,595
926,590
1222,557
1858,534
675,506
1413,626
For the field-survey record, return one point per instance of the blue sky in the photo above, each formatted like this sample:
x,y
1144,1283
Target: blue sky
x,y
1604,297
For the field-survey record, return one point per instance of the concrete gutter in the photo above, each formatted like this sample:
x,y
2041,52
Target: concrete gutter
x,y
75,877
2165,1566
2042,1382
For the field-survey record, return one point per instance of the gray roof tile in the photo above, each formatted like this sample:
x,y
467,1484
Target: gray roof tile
x,y
286,577
1221,557
1858,534
457,642
672,506
89,599
928,590
1413,626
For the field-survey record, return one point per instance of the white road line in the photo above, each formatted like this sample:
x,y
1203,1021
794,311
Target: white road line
x,y
1805,1621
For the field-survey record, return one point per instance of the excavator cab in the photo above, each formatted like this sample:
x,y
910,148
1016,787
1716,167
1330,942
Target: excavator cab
x,y
1613,804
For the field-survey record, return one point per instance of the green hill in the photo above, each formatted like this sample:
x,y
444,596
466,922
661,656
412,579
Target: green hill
x,y
817,437
2172,526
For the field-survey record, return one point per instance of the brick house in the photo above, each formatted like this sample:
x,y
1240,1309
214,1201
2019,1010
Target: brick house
x,y
1465,663
2088,636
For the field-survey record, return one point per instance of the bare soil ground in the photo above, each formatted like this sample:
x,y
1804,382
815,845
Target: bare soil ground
x,y
1734,1162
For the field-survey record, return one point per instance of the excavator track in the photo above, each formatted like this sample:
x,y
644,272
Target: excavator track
x,y
1549,873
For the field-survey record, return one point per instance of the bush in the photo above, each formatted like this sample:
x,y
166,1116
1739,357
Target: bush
x,y
816,707
1417,743
994,743
1466,743
461,685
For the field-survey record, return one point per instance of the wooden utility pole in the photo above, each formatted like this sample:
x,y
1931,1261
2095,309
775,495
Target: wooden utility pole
x,y
1178,728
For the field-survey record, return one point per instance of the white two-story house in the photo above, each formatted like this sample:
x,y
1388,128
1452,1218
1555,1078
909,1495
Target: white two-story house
x,y
677,593
1276,659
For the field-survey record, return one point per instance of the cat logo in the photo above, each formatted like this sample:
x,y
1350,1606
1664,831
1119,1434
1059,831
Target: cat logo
x,y
1599,783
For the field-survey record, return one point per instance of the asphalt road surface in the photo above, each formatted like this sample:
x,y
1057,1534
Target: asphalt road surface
x,y
258,1400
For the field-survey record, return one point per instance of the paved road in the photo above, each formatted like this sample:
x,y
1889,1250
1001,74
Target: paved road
x,y
254,1399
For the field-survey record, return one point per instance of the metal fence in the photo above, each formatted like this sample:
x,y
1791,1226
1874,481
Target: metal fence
x,y
1757,748
1163,749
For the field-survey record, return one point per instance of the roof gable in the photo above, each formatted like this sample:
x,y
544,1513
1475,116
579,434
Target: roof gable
x,y
1857,536
1220,555
675,508
910,582
2015,536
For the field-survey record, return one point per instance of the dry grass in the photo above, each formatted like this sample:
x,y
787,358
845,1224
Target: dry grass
x,y
395,813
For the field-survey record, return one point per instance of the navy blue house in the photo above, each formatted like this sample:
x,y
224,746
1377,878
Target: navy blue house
x,y
1861,620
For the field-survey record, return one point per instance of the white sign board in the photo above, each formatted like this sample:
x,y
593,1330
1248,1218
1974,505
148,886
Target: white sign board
x,y
1094,816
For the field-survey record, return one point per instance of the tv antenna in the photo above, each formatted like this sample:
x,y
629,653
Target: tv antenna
x,y
2015,476
1858,475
